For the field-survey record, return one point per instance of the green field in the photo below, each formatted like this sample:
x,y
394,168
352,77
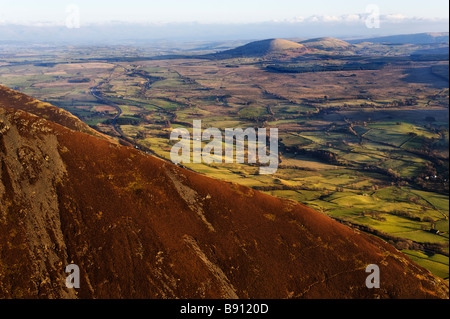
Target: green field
x,y
366,147
437,264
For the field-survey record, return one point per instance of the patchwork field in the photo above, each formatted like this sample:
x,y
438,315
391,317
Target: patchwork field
x,y
366,147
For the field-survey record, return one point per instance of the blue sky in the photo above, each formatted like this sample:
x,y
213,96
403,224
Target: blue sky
x,y
209,11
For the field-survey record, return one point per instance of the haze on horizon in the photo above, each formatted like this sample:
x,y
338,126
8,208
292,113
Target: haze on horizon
x,y
199,20
210,11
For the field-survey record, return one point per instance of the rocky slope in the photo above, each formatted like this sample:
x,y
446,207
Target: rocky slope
x,y
139,227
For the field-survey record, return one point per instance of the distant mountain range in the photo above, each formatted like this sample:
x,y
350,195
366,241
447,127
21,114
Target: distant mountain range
x,y
116,33
282,48
140,227
276,48
418,38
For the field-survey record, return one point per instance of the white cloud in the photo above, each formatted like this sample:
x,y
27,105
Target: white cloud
x,y
352,18
313,19
348,18
394,18
358,19
331,18
298,19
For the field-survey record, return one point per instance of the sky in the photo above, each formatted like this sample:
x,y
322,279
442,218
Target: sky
x,y
209,11
115,21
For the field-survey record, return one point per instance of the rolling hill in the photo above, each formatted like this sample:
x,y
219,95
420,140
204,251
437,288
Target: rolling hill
x,y
140,227
264,48
327,44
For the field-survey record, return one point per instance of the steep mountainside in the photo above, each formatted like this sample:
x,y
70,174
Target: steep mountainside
x,y
16,100
139,227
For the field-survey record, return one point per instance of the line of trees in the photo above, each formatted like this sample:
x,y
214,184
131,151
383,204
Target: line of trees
x,y
399,242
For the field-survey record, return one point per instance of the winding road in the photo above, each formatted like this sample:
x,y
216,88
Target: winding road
x,y
94,91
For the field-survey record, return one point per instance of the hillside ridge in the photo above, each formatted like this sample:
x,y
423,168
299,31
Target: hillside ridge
x,y
264,48
140,227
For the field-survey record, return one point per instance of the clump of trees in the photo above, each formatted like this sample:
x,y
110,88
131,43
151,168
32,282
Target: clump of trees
x,y
79,80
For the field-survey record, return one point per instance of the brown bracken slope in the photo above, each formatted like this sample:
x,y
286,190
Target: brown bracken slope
x,y
139,227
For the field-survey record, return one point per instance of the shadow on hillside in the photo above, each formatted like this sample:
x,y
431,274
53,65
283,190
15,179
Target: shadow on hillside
x,y
425,76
